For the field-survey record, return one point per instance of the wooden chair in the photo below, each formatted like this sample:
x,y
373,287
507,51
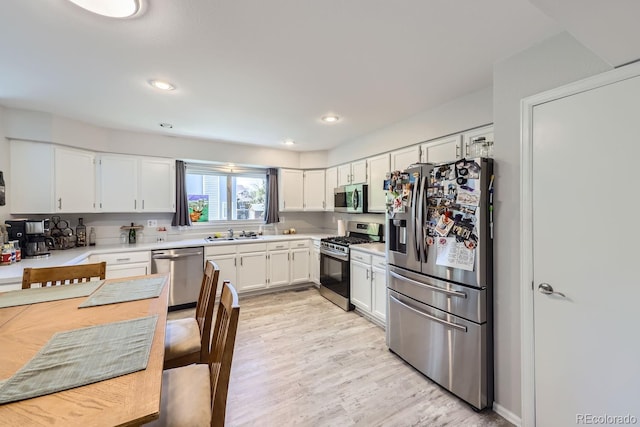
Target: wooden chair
x,y
196,395
187,341
66,275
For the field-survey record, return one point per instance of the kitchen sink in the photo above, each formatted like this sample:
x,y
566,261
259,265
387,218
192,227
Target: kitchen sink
x,y
220,239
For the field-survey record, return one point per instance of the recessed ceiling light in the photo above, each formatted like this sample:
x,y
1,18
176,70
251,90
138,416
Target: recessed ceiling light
x,y
289,142
162,85
166,125
111,8
330,118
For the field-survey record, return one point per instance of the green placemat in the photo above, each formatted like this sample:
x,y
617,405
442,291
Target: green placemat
x,y
49,293
128,290
83,356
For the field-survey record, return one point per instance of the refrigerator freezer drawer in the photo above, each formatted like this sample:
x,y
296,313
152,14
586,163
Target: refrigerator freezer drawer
x,y
468,303
449,350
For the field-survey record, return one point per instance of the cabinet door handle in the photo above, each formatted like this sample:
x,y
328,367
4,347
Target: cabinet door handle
x,y
60,203
135,204
466,149
235,262
142,204
123,259
288,257
240,261
367,274
293,256
457,151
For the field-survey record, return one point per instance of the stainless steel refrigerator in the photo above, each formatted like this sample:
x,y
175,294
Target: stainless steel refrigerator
x,y
439,238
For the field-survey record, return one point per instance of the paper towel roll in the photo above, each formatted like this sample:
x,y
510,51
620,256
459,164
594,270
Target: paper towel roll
x,y
341,229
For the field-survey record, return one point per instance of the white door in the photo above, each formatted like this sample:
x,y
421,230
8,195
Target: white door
x,y
314,190
157,185
359,172
75,178
585,156
299,265
378,168
400,159
331,182
344,175
278,267
252,271
291,189
361,285
118,184
442,150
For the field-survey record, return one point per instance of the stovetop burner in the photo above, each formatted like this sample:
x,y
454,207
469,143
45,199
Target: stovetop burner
x,y
347,240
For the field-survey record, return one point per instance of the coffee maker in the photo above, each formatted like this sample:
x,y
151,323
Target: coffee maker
x,y
32,236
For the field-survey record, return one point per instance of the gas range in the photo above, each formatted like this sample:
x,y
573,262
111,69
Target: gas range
x,y
335,268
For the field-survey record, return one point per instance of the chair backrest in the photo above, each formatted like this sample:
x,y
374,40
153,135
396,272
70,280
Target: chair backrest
x,y
224,338
204,307
53,276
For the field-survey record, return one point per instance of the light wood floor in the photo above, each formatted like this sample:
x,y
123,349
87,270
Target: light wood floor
x,y
301,361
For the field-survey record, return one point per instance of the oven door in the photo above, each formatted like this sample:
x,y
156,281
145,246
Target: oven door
x,y
334,278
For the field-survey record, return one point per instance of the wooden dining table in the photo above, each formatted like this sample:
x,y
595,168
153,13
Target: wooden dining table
x,y
131,399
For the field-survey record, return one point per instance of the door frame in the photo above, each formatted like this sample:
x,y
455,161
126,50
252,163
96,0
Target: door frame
x,y
526,221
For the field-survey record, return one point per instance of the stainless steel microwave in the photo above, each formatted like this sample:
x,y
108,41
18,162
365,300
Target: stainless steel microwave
x,y
350,198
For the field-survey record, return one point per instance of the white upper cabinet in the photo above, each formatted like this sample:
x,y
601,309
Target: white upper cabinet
x,y
344,174
442,150
331,182
135,184
117,183
352,173
472,149
74,177
157,185
400,159
291,190
314,193
30,186
378,167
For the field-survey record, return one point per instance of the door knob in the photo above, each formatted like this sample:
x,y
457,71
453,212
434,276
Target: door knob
x,y
547,289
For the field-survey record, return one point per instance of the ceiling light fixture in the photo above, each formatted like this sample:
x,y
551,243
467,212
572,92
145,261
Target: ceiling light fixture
x,y
289,142
166,125
162,85
330,118
111,8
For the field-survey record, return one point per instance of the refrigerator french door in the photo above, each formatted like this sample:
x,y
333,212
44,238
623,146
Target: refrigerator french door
x,y
439,250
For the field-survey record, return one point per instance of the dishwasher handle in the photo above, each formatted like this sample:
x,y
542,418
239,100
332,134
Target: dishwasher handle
x,y
176,256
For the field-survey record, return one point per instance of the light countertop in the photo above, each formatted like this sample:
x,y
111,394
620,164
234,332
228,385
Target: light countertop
x,y
11,274
371,248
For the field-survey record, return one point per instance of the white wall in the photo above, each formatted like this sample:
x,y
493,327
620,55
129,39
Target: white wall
x,y
465,112
554,62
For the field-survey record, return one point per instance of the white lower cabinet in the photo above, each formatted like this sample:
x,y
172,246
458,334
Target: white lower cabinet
x,y
252,267
125,264
225,259
260,266
369,284
278,259
299,263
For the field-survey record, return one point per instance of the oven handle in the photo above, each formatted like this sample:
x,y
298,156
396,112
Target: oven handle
x,y
430,317
430,287
334,254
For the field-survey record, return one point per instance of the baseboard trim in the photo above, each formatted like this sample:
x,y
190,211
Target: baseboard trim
x,y
507,415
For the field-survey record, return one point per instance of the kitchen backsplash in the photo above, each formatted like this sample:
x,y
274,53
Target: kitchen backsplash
x,y
107,226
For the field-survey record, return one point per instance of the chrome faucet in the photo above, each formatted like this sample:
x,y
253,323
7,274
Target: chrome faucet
x,y
230,236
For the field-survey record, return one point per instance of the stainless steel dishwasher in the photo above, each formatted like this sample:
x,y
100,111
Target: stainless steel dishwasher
x,y
185,266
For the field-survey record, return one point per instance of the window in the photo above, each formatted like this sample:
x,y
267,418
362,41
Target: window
x,y
218,194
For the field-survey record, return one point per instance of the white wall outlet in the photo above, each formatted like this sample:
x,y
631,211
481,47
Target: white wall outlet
x,y
152,223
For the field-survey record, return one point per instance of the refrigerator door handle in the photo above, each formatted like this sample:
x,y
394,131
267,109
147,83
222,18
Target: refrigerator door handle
x,y
428,316
425,285
420,235
415,218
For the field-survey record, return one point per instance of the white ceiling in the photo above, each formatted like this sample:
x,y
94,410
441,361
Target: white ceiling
x,y
257,72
